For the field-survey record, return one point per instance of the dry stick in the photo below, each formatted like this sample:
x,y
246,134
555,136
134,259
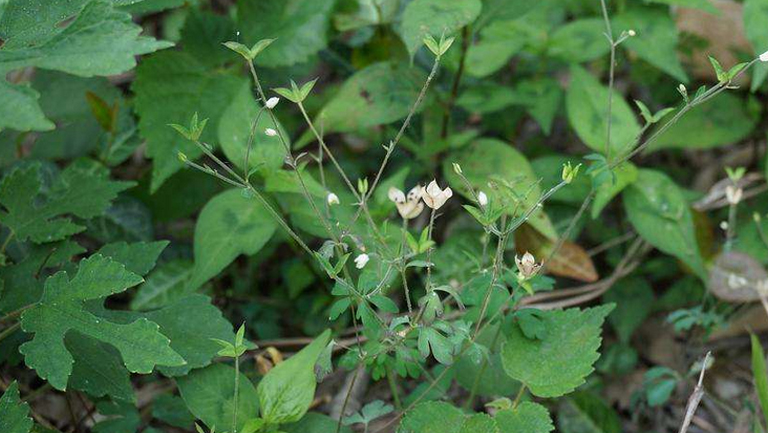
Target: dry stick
x,y
695,398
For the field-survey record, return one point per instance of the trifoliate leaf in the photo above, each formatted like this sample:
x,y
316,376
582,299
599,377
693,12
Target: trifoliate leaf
x,y
229,225
298,27
209,395
422,18
527,417
287,390
15,417
170,87
62,309
83,189
560,362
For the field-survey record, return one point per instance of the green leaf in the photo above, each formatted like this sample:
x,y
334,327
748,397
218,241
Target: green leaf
x,y
15,417
172,410
83,189
140,344
755,16
316,423
435,17
584,412
489,159
760,374
98,369
139,257
560,362
20,109
170,87
203,34
164,285
655,40
657,209
209,395
497,43
586,103
634,301
379,94
286,392
580,41
528,417
485,361
229,225
704,5
479,423
432,417
117,417
298,27
624,175
267,153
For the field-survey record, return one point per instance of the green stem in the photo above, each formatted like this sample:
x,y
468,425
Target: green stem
x,y
10,330
519,396
7,241
237,386
393,388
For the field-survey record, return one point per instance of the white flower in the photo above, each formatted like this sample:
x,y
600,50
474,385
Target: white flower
x,y
631,32
724,225
332,199
270,132
435,197
527,265
482,198
361,261
733,194
272,102
408,207
764,57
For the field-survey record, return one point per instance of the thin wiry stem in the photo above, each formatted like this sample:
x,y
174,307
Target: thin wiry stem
x,y
609,35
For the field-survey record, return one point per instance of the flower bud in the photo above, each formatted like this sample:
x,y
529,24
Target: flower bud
x,y
361,261
482,199
332,199
270,132
272,102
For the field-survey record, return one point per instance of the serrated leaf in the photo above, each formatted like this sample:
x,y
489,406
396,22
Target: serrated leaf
x,y
286,392
98,369
15,417
170,87
229,225
560,362
298,28
209,395
138,257
20,109
586,103
657,209
432,417
83,189
435,17
140,343
527,417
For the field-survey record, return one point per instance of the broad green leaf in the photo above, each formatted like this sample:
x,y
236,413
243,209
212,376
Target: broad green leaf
x,y
203,36
15,417
726,120
229,225
100,41
286,392
190,324
434,17
316,423
485,361
267,153
527,417
28,22
20,109
760,374
23,281
432,417
490,160
298,27
479,423
634,301
657,209
98,369
655,40
209,395
172,410
755,16
586,103
559,363
164,285
580,41
170,87
140,344
379,94
625,174
117,417
584,412
83,189
139,257
497,43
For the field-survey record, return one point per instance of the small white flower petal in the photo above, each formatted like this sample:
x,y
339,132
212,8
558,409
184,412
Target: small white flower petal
x,y
272,102
270,132
396,195
764,57
361,261
332,199
482,198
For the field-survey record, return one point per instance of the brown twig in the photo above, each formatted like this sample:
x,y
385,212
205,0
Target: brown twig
x,y
695,398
